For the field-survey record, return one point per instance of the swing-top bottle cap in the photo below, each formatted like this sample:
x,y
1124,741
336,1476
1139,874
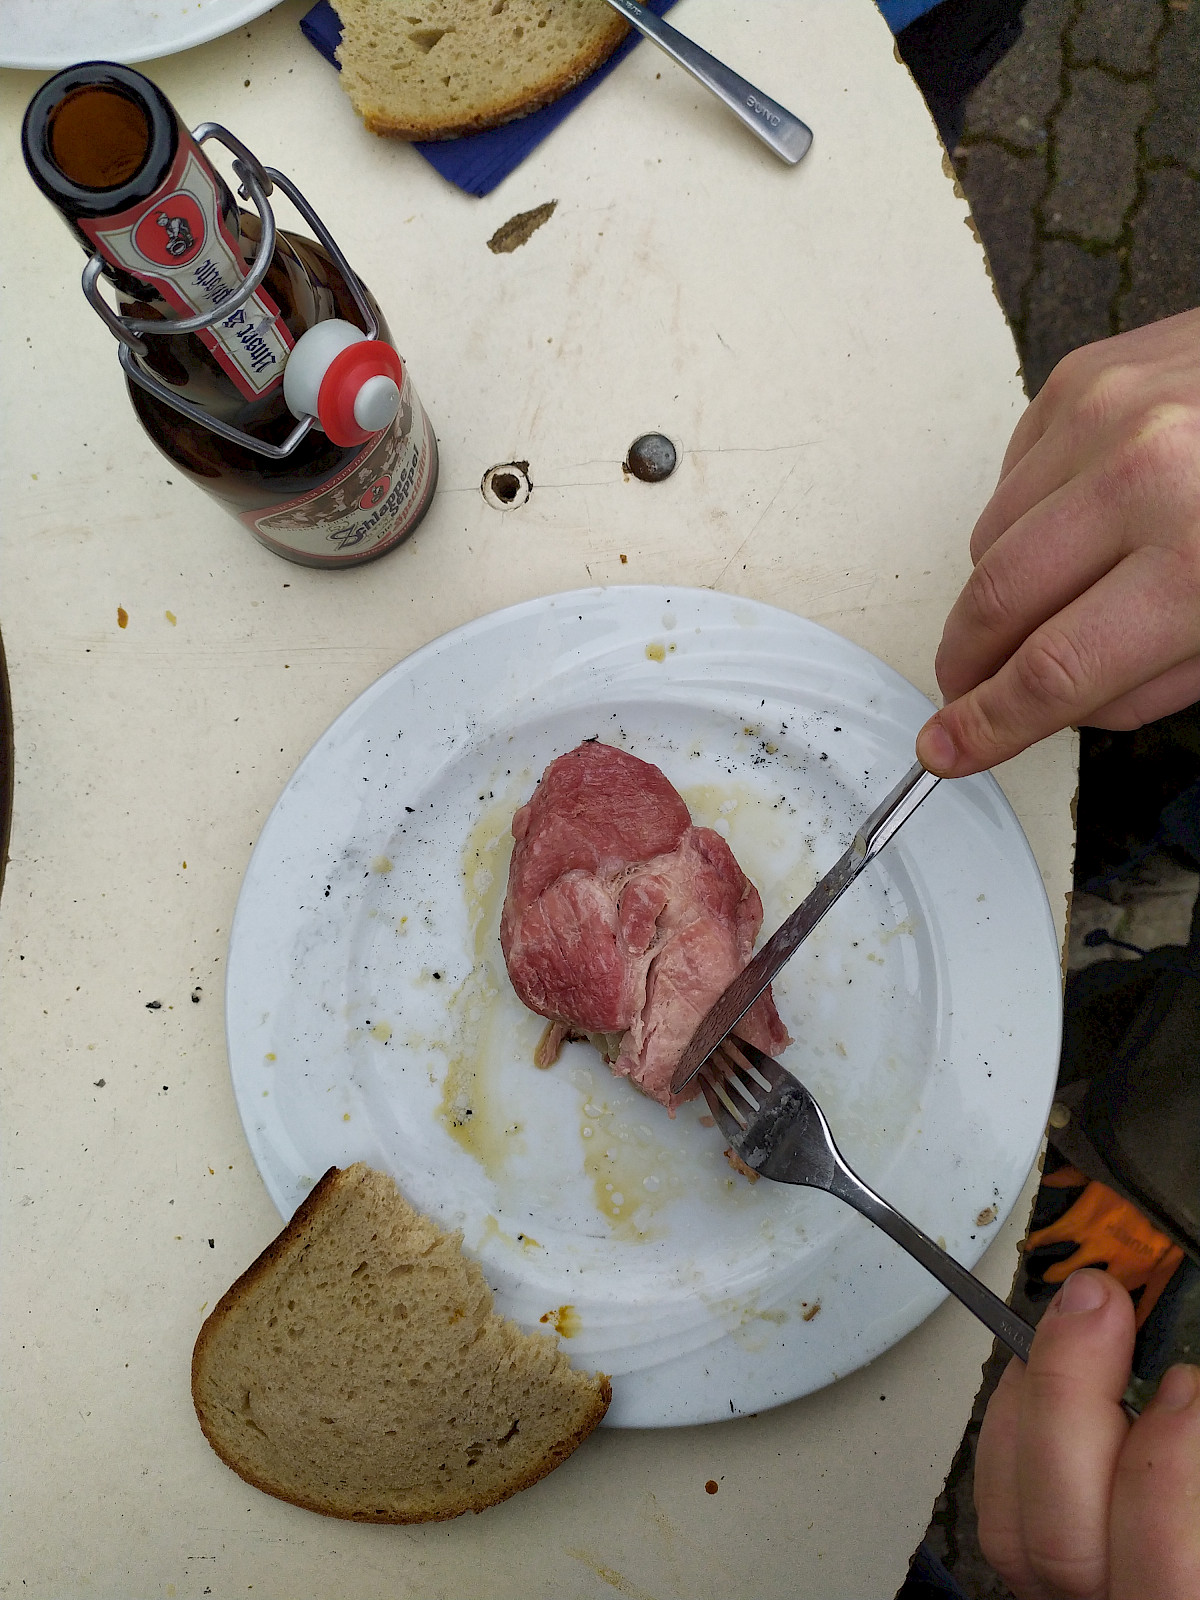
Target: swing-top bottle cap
x,y
349,383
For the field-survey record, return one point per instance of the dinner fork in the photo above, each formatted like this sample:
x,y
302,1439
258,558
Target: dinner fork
x,y
775,1126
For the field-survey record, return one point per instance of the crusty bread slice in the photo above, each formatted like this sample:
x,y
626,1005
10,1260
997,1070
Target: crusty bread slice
x,y
357,1368
435,69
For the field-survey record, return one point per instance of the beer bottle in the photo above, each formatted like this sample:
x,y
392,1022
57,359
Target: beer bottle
x,y
255,359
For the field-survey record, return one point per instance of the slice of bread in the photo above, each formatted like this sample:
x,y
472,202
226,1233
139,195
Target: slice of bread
x,y
357,1369
435,69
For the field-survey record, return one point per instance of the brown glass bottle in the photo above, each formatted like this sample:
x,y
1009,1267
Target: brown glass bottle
x,y
107,148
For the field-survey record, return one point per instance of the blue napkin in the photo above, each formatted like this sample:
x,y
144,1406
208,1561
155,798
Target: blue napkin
x,y
480,161
899,13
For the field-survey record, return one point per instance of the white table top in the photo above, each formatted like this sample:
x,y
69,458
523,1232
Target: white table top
x,y
824,344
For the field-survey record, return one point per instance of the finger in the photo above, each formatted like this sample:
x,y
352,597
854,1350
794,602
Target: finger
x,y
1106,379
1044,469
1129,425
1070,1432
1030,571
997,1505
1029,429
1138,622
1140,495
1171,691
1053,445
1031,425
1155,1519
1058,398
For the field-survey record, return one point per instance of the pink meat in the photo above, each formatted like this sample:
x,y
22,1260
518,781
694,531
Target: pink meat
x,y
622,918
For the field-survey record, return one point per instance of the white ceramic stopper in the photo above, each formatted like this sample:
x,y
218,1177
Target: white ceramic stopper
x,y
309,361
376,403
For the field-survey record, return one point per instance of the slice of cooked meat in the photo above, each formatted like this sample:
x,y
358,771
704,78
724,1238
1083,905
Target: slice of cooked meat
x,y
624,919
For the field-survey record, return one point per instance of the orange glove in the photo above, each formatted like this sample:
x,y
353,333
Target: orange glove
x,y
1111,1234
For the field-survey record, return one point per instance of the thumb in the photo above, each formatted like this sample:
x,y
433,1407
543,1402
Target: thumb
x,y
972,735
1040,690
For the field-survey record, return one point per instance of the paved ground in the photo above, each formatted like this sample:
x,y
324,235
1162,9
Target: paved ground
x,y
1080,157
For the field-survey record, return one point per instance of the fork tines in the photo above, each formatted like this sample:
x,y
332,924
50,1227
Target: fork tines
x,y
735,1081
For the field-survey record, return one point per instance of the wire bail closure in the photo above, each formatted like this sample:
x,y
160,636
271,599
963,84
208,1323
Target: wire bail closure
x,y
256,184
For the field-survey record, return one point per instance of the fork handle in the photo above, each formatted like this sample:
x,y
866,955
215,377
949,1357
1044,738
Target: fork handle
x,y
1003,1321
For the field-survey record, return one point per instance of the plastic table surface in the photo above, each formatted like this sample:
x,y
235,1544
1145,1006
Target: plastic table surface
x,y
824,344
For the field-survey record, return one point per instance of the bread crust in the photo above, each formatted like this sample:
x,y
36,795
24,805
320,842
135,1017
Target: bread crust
x,y
293,1241
492,109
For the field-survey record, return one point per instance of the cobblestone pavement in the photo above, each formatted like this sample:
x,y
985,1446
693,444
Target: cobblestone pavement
x,y
1080,158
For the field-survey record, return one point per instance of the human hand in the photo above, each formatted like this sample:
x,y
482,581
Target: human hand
x,y
1073,1502
1084,605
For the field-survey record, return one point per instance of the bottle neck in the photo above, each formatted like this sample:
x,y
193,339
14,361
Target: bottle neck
x,y
107,148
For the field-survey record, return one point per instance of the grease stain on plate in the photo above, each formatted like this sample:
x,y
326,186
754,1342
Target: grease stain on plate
x,y
566,1321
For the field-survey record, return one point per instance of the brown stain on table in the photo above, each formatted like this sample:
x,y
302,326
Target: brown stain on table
x,y
609,1575
518,230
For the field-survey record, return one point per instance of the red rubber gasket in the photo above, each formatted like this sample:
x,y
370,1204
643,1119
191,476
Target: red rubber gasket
x,y
344,377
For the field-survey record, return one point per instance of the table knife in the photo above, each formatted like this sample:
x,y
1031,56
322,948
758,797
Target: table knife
x,y
883,824
774,124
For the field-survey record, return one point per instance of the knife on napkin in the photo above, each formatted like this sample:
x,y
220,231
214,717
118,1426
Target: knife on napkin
x,y
778,128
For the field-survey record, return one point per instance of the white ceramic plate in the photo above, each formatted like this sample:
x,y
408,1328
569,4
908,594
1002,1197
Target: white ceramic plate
x,y
370,1017
57,33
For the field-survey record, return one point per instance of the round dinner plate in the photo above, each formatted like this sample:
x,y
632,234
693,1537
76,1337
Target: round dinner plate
x,y
57,33
370,1016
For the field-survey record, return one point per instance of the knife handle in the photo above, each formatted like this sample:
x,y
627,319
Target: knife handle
x,y
888,817
893,812
775,125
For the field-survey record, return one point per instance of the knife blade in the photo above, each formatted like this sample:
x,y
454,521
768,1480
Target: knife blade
x,y
725,1013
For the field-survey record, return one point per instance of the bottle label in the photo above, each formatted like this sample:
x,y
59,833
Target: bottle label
x,y
179,241
373,503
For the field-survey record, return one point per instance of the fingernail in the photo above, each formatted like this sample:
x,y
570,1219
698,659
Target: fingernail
x,y
1178,1388
935,748
1083,1291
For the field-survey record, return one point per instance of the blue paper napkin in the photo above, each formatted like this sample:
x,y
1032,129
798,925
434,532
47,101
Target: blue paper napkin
x,y
480,161
899,13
